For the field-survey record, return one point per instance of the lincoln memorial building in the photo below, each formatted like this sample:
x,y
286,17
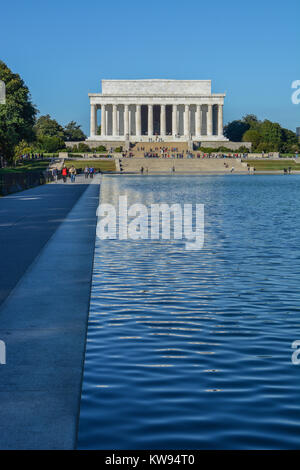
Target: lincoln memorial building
x,y
143,110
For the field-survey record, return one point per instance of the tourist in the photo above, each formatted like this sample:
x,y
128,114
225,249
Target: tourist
x,y
86,172
64,173
72,172
91,171
54,174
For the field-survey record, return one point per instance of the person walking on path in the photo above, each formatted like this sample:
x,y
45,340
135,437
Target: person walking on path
x,y
86,172
64,173
54,174
72,172
92,172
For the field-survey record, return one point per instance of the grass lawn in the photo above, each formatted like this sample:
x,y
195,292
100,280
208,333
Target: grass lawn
x,y
24,167
98,165
272,165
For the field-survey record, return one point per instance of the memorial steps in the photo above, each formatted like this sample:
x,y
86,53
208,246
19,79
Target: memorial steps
x,y
182,165
140,148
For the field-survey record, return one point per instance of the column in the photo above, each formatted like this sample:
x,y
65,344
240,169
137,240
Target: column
x,y
138,121
93,125
163,120
150,120
220,119
114,121
126,120
198,124
209,120
186,129
103,120
174,120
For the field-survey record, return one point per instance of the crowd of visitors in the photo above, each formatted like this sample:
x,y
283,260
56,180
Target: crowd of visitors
x,y
188,154
65,173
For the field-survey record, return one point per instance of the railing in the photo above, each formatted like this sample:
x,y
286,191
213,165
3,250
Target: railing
x,y
14,182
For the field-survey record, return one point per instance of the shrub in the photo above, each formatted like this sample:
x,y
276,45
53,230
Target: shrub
x,y
50,144
101,148
83,147
22,148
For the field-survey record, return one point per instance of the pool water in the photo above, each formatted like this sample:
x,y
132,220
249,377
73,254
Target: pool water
x,y
192,349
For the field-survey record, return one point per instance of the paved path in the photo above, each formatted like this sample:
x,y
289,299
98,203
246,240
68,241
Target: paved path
x,y
27,221
47,247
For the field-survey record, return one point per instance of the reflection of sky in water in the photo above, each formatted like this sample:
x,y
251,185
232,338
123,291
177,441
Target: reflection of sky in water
x,y
168,327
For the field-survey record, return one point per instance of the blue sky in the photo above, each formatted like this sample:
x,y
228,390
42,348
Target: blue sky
x,y
62,49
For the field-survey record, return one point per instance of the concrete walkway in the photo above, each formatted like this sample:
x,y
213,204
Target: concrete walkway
x,y
27,220
47,238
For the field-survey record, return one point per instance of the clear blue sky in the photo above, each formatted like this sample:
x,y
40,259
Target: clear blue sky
x,y
62,49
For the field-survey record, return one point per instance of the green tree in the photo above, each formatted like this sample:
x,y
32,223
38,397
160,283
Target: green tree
x,y
50,144
271,133
17,116
82,147
266,136
290,141
45,126
235,130
22,148
252,120
73,133
100,148
252,136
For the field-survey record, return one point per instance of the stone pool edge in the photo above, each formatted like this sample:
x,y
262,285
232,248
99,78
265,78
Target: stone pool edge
x,y
45,320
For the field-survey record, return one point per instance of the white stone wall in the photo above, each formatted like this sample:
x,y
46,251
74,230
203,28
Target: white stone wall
x,y
156,87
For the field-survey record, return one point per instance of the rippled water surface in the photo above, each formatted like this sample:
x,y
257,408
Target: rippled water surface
x,y
192,349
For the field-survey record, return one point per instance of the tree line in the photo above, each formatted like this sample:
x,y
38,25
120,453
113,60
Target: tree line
x,y
265,136
21,131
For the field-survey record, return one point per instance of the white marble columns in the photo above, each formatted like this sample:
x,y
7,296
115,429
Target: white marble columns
x,y
198,123
163,120
126,120
186,121
103,120
177,120
93,119
209,120
150,120
220,120
114,120
138,120
174,121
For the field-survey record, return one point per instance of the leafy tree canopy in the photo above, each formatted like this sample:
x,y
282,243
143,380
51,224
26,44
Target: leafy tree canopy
x,y
47,127
73,132
251,135
17,116
50,144
265,136
235,130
